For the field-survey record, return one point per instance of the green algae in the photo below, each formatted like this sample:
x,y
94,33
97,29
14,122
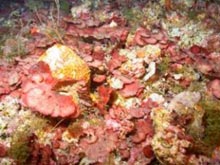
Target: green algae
x,y
19,149
134,17
210,139
212,121
163,66
20,142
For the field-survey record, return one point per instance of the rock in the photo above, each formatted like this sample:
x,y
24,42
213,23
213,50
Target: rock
x,y
65,63
186,98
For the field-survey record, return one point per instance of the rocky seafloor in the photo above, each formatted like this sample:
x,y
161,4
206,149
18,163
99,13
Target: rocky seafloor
x,y
109,82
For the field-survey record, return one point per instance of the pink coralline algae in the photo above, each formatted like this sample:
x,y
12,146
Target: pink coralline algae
x,y
214,88
39,153
145,36
100,33
39,96
132,89
10,80
3,150
104,94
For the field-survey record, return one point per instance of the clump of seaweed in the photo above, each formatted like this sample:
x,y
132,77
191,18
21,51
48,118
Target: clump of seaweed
x,y
212,120
133,15
19,149
13,46
197,86
176,88
19,146
212,126
163,66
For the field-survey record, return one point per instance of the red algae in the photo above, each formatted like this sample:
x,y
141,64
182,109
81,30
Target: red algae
x,y
103,82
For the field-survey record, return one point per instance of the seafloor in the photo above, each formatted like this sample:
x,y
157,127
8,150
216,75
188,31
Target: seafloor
x,y
106,82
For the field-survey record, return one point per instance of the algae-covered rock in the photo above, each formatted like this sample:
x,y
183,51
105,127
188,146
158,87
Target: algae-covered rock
x,y
55,83
65,64
167,145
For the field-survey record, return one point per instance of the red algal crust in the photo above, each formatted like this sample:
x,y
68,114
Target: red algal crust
x,y
39,96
